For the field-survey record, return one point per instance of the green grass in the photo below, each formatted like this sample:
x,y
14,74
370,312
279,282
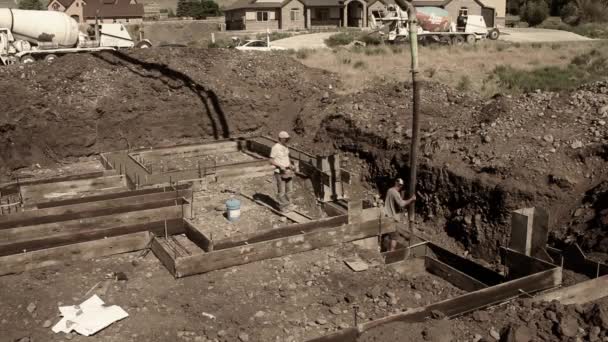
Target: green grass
x,y
584,68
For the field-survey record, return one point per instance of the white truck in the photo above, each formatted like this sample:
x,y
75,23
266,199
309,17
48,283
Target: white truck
x,y
27,36
434,25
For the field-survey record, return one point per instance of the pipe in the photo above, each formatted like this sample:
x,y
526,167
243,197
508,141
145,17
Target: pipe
x,y
413,33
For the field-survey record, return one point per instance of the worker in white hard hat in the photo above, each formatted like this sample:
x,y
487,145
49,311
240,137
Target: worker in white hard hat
x,y
393,206
284,171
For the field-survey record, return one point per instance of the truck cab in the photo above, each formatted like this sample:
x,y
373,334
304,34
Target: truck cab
x,y
7,50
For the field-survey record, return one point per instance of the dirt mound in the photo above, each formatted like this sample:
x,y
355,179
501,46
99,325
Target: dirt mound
x,y
84,104
480,159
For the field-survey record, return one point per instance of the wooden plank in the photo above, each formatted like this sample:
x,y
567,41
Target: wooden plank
x,y
478,299
452,275
163,254
87,210
118,195
81,251
575,260
469,267
70,189
13,187
36,237
581,293
521,265
355,211
275,233
229,257
334,209
344,335
172,226
188,150
198,237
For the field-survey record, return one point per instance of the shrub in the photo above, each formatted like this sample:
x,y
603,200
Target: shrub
x,y
370,39
374,51
585,11
534,12
345,60
464,84
359,65
340,39
303,53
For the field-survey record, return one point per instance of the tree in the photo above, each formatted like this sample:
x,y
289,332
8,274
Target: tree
x,y
30,5
534,12
585,11
183,8
198,9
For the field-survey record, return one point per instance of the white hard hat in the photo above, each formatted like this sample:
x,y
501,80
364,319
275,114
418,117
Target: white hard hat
x,y
399,181
284,135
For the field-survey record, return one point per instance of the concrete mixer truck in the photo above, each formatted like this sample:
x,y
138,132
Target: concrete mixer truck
x,y
27,36
434,25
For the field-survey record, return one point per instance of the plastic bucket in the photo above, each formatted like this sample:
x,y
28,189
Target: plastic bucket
x,y
233,209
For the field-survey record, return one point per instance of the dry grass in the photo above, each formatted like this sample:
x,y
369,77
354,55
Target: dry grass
x,y
446,64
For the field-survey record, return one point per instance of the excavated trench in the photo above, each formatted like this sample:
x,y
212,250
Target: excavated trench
x,y
471,209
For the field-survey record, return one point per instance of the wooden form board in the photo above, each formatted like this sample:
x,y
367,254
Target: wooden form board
x,y
22,262
47,235
520,265
573,258
88,209
238,252
48,192
13,187
581,293
185,151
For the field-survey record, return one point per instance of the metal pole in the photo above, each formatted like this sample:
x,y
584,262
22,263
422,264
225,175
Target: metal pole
x,y
413,33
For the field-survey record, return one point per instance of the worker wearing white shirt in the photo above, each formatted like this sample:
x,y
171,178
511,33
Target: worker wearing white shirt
x,y
279,157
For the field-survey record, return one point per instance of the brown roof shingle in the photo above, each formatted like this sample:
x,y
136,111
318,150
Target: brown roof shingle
x,y
113,9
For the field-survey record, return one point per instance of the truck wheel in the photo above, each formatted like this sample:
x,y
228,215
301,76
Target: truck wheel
x,y
27,59
471,39
493,34
50,58
143,45
458,40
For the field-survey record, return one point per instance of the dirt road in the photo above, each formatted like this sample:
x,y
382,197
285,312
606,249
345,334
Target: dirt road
x,y
534,35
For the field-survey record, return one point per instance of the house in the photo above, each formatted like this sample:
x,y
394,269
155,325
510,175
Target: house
x,y
113,11
259,15
73,8
8,4
108,11
493,11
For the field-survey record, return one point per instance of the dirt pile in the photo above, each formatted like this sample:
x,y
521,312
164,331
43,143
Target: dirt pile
x,y
521,322
479,158
84,104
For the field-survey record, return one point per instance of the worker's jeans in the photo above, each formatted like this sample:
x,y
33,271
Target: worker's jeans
x,y
284,189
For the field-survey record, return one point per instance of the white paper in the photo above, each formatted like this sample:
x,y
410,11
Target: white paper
x,y
89,317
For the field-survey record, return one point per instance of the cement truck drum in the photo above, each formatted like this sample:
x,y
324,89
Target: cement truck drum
x,y
433,19
41,26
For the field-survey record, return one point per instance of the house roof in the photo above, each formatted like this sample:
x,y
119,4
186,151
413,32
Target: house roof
x,y
421,3
241,4
113,9
323,3
64,3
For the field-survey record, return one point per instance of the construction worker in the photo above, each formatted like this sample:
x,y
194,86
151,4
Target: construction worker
x,y
283,173
393,205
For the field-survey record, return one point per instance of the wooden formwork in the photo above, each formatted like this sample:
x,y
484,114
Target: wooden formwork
x,y
266,244
485,287
80,227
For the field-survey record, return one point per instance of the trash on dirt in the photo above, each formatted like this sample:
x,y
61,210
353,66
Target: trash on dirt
x,y
89,317
356,265
208,315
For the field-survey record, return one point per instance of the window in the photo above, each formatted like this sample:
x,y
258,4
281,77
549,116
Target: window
x,y
295,14
127,19
262,16
464,11
56,6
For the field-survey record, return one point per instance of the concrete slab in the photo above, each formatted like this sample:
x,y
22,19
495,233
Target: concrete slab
x,y
304,41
